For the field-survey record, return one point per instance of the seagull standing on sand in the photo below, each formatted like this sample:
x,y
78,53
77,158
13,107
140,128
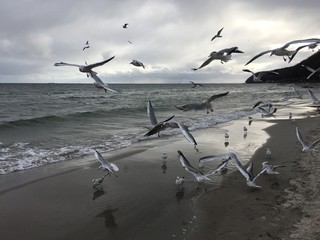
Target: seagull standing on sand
x,y
306,147
250,120
283,51
206,104
137,63
223,55
256,77
180,181
218,35
268,153
106,165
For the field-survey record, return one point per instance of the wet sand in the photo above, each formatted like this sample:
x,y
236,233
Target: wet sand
x,y
143,202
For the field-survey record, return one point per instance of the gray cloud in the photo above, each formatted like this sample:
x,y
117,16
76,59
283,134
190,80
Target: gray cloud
x,y
169,37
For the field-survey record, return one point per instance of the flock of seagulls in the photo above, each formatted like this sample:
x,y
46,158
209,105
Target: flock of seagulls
x,y
266,110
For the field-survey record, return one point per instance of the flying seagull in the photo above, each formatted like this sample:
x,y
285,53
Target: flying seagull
x,y
218,35
199,176
223,55
154,122
99,84
247,172
195,84
86,46
84,68
306,147
256,77
88,69
105,165
271,169
137,63
206,104
315,100
169,123
283,51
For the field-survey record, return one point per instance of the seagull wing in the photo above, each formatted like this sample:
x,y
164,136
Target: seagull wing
x,y
296,51
313,97
187,166
210,99
241,169
66,64
101,159
90,66
207,62
186,133
312,145
256,177
257,56
211,158
151,115
100,83
300,138
314,72
247,70
218,168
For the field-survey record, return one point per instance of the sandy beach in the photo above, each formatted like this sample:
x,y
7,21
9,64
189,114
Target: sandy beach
x,y
58,202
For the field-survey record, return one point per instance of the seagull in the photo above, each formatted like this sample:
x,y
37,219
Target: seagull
x,y
223,55
290,115
245,128
310,46
195,84
200,177
218,35
282,51
250,120
153,120
97,182
206,104
84,68
137,63
226,137
210,158
247,173
256,77
306,147
180,181
296,92
173,124
88,70
86,45
271,169
105,165
263,105
125,25
99,84
267,113
268,153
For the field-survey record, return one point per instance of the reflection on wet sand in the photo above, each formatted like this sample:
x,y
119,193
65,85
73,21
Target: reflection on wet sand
x,y
97,193
109,219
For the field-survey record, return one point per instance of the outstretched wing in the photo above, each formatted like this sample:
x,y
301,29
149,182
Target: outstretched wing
x,y
99,157
98,81
151,115
210,99
208,61
186,133
314,72
300,138
257,56
186,165
99,63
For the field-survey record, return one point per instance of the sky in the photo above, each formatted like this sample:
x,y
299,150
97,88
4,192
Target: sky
x,y
170,37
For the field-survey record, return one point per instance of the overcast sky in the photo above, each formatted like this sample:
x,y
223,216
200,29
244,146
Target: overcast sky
x,y
169,37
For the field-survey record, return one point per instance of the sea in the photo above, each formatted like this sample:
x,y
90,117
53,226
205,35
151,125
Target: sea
x,y
46,123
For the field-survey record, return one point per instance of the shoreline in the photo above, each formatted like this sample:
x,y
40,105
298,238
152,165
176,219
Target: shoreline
x,y
143,202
